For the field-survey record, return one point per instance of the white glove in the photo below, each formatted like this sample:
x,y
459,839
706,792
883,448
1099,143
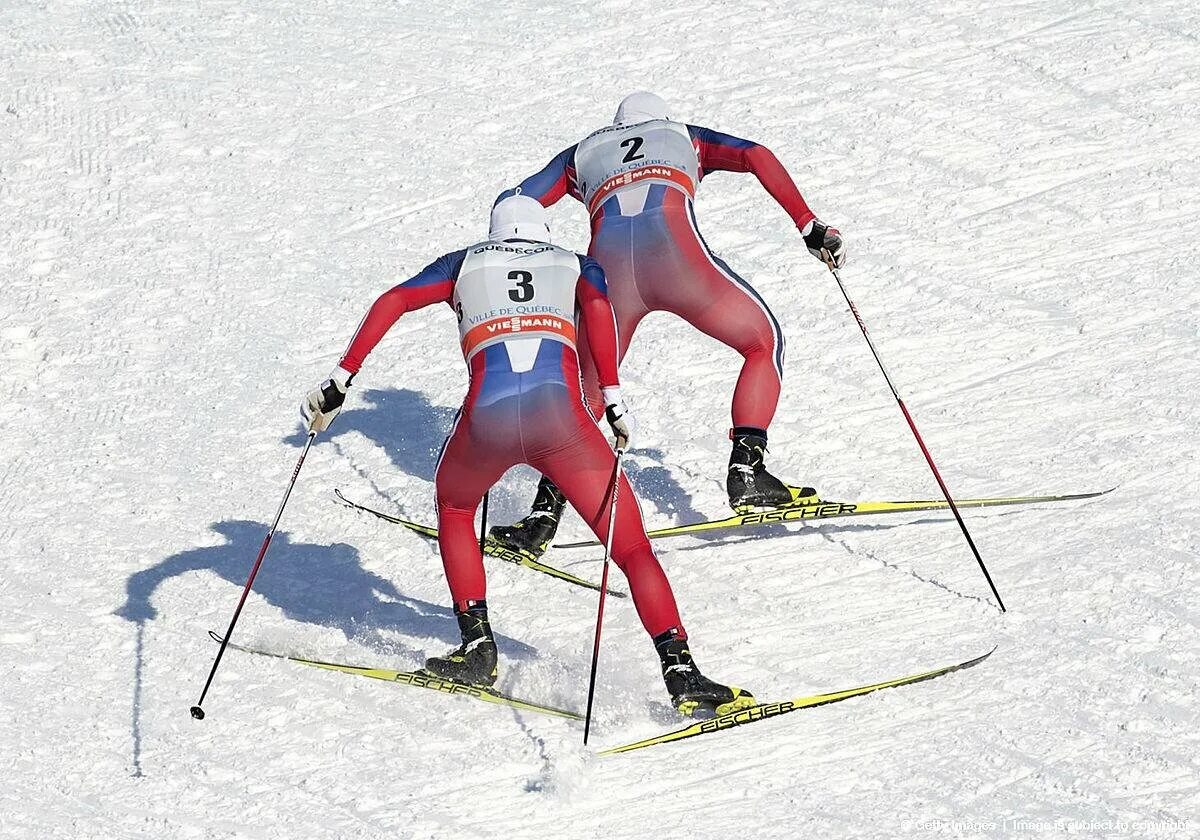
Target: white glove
x,y
824,243
324,402
618,416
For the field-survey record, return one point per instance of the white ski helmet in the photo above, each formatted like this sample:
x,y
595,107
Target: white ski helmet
x,y
519,217
640,106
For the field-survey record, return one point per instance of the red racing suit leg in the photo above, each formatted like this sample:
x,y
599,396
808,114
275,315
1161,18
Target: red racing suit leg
x,y
658,261
538,418
581,466
474,457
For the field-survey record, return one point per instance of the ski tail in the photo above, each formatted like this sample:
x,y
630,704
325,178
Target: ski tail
x,y
416,527
417,679
769,710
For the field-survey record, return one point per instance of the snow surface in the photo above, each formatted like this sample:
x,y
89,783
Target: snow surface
x,y
200,199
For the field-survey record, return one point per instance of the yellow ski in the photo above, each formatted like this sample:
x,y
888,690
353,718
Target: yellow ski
x,y
832,510
769,710
491,549
417,679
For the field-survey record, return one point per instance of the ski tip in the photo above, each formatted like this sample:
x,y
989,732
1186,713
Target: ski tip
x,y
976,660
1089,495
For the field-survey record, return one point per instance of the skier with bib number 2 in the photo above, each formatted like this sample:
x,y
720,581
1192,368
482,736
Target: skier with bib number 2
x,y
637,179
516,297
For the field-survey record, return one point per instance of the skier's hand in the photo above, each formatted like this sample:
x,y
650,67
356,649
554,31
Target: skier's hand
x,y
324,402
825,243
618,416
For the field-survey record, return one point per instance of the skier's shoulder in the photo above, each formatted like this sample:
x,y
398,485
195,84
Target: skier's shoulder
x,y
711,137
449,263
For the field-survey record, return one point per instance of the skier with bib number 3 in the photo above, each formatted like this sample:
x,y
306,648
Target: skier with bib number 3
x,y
637,179
516,297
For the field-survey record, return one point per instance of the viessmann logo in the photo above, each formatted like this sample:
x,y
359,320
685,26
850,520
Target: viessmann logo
x,y
527,323
642,172
546,325
658,173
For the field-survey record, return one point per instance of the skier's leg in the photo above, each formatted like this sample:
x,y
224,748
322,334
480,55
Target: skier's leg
x,y
467,468
584,471
719,303
464,473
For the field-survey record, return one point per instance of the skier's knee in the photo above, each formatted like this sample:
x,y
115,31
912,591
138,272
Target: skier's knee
x,y
758,346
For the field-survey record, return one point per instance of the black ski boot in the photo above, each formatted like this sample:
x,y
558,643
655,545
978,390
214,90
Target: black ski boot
x,y
532,534
749,485
474,661
692,693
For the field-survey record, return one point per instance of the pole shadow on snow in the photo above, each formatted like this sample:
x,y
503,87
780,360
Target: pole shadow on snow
x,y
136,712
322,585
828,532
411,430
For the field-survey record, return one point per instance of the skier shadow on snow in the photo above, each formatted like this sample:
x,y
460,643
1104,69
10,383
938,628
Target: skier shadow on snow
x,y
316,584
412,430
400,421
324,585
655,484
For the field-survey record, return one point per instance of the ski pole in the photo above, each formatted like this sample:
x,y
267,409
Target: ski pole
x,y
913,426
612,519
197,710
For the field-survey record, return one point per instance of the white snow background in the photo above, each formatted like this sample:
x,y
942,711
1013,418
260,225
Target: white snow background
x,y
199,200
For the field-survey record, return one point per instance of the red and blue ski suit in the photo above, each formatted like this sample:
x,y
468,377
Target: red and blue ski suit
x,y
519,304
638,182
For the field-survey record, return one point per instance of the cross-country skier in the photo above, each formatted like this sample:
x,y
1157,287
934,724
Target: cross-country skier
x,y
516,298
637,178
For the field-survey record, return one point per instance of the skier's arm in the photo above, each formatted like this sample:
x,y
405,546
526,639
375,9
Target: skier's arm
x,y
555,180
434,284
598,319
724,152
733,154
600,323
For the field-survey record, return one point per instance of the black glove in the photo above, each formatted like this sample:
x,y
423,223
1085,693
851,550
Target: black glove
x,y
325,402
825,243
618,416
